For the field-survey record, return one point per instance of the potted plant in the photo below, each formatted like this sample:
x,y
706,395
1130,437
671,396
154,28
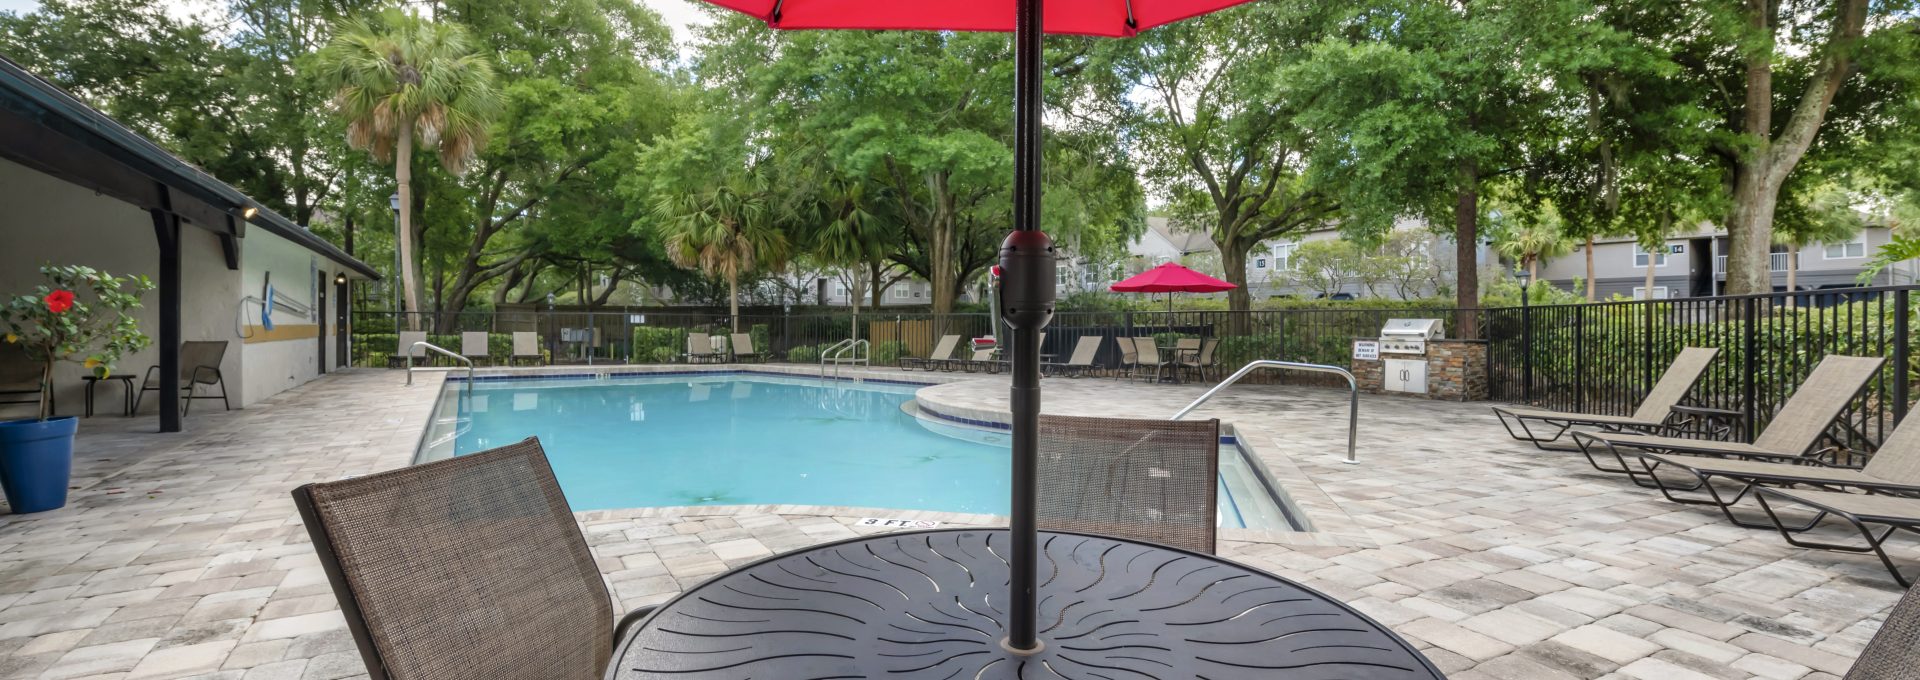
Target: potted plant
x,y
81,315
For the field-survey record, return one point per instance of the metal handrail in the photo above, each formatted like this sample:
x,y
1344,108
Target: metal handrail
x,y
833,352
1353,397
411,353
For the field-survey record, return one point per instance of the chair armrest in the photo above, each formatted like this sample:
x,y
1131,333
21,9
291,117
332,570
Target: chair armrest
x,y
1683,409
627,622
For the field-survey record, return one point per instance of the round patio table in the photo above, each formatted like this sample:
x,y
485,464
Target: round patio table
x,y
932,604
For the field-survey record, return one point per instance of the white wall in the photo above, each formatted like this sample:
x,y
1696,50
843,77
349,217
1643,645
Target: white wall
x,y
274,365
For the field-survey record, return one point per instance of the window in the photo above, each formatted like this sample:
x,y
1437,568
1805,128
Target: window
x,y
1846,251
1640,258
841,291
1283,254
901,294
1659,293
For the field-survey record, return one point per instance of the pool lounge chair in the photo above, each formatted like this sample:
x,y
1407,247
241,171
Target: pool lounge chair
x,y
1893,468
742,347
940,356
700,349
1145,480
1685,371
1084,351
526,345
1893,513
473,345
199,365
1894,651
1794,432
982,359
469,567
404,352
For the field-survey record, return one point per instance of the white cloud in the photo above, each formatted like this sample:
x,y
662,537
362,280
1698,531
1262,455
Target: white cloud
x,y
680,15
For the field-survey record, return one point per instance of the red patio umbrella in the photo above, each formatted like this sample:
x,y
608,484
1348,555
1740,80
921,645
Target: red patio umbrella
x,y
1171,278
1026,257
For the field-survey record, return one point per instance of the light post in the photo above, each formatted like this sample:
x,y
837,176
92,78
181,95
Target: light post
x,y
393,202
1526,334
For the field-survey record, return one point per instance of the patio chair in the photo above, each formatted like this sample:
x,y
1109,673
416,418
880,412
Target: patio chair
x,y
1129,356
982,359
1894,513
1147,480
469,567
473,345
1793,433
1685,371
1148,356
1084,351
1006,358
1893,468
406,352
526,345
19,376
1198,364
199,365
700,349
942,353
742,346
1894,652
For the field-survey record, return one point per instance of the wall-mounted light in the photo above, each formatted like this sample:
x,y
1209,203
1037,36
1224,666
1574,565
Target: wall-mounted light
x,y
248,212
340,279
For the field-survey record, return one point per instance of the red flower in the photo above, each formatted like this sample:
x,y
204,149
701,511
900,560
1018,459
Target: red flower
x,y
59,301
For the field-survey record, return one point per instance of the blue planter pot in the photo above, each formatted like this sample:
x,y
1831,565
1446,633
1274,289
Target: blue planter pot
x,y
36,461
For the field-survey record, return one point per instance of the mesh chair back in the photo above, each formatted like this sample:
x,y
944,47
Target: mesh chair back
x,y
526,344
1187,344
17,370
407,338
1129,352
1084,351
201,354
1898,458
1206,351
469,567
1819,400
473,344
943,350
1148,351
1894,653
699,344
1674,385
1149,480
743,343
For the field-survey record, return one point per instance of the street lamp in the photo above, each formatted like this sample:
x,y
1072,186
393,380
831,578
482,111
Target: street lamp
x,y
393,202
1526,334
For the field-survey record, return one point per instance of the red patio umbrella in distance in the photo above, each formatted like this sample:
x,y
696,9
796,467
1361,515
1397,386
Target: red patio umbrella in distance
x,y
1026,257
1171,278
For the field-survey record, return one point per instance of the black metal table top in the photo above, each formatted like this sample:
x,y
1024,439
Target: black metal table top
x,y
931,604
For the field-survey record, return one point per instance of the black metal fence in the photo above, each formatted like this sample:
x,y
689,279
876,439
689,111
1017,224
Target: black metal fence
x,y
1592,358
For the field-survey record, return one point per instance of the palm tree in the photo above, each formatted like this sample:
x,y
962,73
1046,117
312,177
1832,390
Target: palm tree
x,y
724,230
1533,243
402,78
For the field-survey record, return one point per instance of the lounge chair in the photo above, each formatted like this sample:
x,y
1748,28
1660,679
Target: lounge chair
x,y
700,349
982,359
1147,480
526,345
20,376
1793,433
1892,512
1894,652
1685,371
742,346
940,356
1149,357
1893,468
199,365
1084,352
1006,357
405,351
473,345
469,567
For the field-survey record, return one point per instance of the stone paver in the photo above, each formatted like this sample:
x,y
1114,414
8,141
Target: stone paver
x,y
181,555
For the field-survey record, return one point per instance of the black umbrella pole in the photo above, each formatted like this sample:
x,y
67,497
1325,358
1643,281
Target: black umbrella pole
x,y
1026,302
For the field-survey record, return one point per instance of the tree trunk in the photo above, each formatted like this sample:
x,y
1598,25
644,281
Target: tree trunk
x,y
1647,286
1466,239
409,266
1233,264
1589,269
1533,269
733,299
1793,271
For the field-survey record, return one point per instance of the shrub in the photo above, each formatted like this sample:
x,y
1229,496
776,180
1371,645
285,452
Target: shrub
x,y
662,355
888,352
648,341
804,354
762,337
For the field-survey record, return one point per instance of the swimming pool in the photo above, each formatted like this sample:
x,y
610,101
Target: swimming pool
x,y
751,439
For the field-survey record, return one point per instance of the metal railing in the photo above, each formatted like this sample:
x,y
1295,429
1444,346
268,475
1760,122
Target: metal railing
x,y
1353,392
414,351
837,354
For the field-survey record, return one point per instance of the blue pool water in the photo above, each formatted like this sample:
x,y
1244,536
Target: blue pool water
x,y
744,439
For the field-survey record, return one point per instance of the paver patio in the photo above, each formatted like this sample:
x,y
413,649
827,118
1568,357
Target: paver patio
x,y
182,556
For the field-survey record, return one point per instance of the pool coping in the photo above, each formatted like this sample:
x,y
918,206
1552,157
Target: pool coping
x,y
1315,535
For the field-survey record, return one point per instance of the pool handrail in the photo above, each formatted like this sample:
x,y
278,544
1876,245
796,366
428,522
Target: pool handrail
x,y
832,355
415,351
1353,392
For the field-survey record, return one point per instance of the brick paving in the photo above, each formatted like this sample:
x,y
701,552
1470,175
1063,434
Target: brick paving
x,y
182,556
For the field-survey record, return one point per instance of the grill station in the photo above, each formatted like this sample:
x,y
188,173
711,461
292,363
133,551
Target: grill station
x,y
1403,348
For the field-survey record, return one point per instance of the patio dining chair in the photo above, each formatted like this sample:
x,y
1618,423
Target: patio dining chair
x,y
473,345
526,345
1148,357
1685,371
1795,431
199,365
1197,364
941,354
1146,480
468,567
1894,651
1129,356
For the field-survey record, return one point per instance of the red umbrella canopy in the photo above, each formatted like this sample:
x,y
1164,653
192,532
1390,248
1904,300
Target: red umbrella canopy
x,y
1171,278
1111,18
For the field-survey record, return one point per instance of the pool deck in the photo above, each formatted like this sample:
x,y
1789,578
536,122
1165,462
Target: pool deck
x,y
181,555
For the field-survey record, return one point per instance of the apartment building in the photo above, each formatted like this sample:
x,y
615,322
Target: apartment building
x,y
1695,265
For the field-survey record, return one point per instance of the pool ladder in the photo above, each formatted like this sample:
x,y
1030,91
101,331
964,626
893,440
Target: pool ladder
x,y
845,352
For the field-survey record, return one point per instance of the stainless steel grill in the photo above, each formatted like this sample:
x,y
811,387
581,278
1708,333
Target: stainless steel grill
x,y
1409,336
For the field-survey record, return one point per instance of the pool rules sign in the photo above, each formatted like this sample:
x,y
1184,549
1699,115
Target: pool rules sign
x,y
1366,350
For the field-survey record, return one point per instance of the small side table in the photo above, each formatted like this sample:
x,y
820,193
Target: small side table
x,y
126,381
